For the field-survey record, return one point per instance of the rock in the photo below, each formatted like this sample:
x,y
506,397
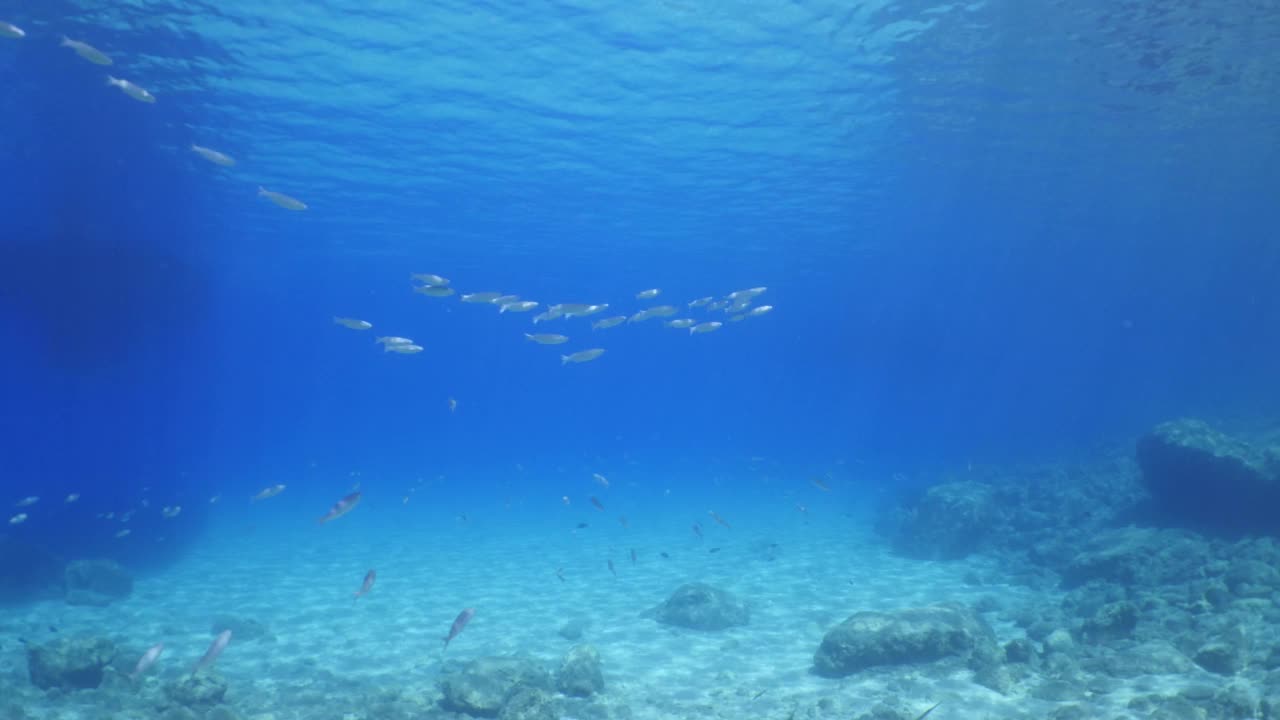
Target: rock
x,y
1112,621
528,703
70,663
1137,556
1218,657
1200,478
28,572
1019,651
1252,578
1059,641
197,691
574,629
242,629
947,522
221,712
96,582
1155,657
480,687
580,674
915,635
698,606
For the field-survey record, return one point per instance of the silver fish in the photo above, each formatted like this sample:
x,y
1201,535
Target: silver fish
x,y
211,655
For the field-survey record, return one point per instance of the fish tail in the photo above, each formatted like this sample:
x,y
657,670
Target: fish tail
x,y
564,359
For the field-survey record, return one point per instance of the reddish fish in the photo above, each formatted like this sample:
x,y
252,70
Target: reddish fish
x,y
463,618
211,655
342,507
148,659
367,585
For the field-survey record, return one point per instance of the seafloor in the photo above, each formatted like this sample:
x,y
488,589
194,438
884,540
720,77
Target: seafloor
x,y
1053,591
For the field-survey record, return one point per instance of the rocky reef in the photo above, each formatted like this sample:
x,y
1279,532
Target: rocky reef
x,y
1200,477
1164,562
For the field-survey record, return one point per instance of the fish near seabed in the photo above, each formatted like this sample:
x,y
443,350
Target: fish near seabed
x,y
367,585
340,508
147,660
459,623
211,655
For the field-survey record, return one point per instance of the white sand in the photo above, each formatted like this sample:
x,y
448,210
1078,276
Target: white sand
x,y
332,653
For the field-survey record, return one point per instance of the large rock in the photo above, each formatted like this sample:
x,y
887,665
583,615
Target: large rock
x,y
96,582
69,663
699,606
197,691
949,521
28,572
1200,478
580,674
481,688
915,635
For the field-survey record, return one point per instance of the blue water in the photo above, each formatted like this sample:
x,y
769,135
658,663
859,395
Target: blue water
x,y
992,232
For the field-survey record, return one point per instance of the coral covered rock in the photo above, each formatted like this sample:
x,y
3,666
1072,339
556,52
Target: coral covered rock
x,y
70,663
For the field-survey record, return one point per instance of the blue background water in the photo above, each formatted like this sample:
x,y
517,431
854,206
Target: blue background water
x,y
991,230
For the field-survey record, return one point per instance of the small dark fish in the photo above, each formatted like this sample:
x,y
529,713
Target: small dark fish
x,y
622,520
757,695
697,530
53,629
560,574
613,569
926,712
713,550
367,585
596,502
583,526
459,623
342,507
665,555
633,556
